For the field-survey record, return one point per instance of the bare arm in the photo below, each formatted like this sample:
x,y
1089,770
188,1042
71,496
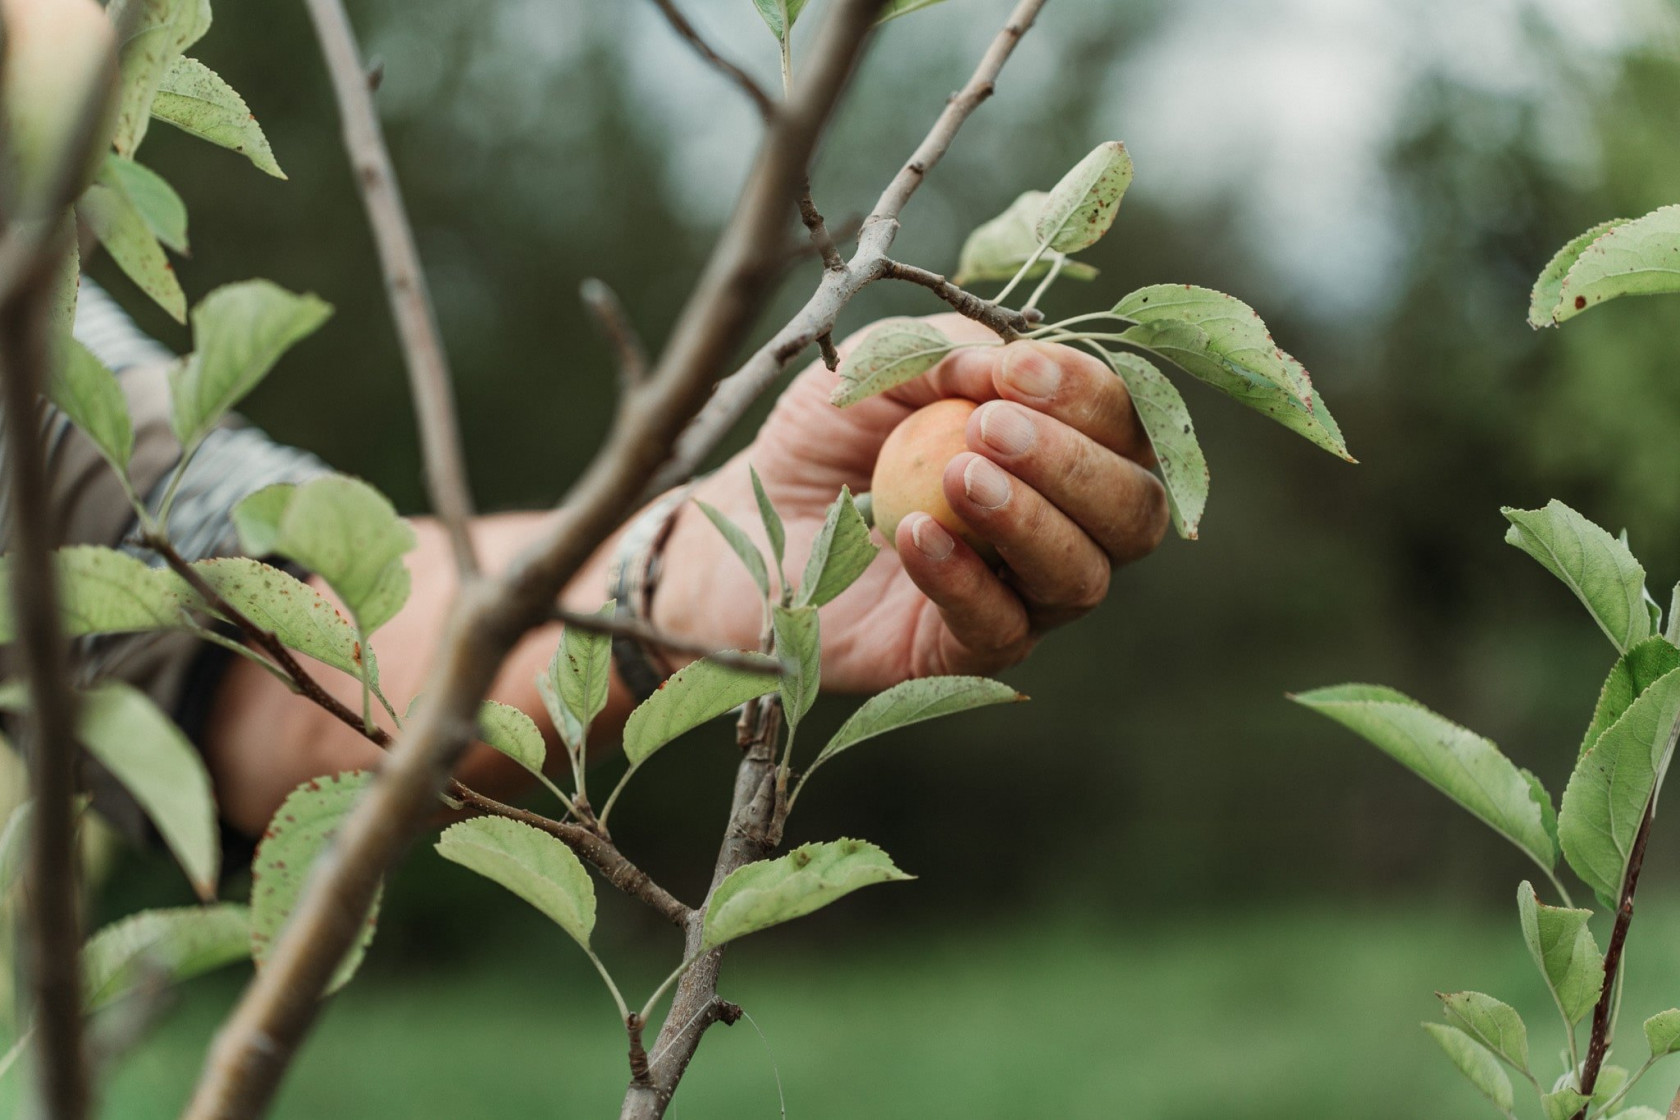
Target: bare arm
x,y
1077,503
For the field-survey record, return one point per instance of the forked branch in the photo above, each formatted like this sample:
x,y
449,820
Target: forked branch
x,y
255,1046
838,287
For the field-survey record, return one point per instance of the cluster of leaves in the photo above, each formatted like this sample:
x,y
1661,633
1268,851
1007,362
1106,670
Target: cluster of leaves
x,y
544,871
339,527
1213,337
1599,827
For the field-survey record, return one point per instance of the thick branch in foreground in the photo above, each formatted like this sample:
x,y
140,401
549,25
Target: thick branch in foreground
x,y
255,1046
51,927
820,313
405,283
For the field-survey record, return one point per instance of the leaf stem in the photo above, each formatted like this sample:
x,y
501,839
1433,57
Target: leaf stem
x,y
1038,254
618,997
665,985
1056,266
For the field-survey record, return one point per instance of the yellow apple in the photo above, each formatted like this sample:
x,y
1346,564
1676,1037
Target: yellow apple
x,y
910,471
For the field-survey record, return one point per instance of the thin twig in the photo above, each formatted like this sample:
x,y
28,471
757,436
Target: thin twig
x,y
813,219
52,927
588,844
830,356
820,313
679,22
643,632
1006,324
1598,1044
603,303
259,1040
405,282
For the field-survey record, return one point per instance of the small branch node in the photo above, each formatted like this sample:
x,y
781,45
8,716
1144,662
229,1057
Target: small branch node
x,y
830,356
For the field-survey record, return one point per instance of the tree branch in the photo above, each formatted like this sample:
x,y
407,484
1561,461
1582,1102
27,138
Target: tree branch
x,y
257,1043
610,316
52,927
1599,1043
679,23
814,225
653,636
749,837
837,288
1007,324
405,282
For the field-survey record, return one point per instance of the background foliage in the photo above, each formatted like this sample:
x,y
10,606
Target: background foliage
x,y
1381,184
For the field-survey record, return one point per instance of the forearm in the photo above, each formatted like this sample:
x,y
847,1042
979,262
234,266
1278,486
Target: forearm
x,y
261,740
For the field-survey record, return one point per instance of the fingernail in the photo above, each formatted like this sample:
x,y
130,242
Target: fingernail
x,y
985,485
1031,371
1007,428
930,538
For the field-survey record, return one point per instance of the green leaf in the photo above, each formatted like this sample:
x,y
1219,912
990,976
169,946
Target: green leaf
x,y
840,554
1548,286
1081,208
1474,1061
1613,783
912,702
1662,1031
195,99
301,830
892,9
770,892
1637,258
1629,677
156,32
301,617
799,648
1165,418
239,332
997,249
161,208
895,351
120,226
85,391
514,733
772,520
1222,341
14,841
580,673
1564,951
66,287
154,762
162,945
693,695
1490,1022
1673,632
1458,762
779,15
1596,566
742,546
532,864
1638,1112
1611,1078
341,529
103,591
1561,1104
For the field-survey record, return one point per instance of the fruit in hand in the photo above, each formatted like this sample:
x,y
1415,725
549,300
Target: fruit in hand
x,y
910,471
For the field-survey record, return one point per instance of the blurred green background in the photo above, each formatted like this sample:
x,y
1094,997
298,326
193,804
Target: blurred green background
x,y
1159,890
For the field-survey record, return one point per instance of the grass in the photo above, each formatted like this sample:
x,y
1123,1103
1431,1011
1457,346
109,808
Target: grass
x,y
1291,1014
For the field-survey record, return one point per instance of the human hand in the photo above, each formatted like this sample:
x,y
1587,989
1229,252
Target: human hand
x,y
1055,477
